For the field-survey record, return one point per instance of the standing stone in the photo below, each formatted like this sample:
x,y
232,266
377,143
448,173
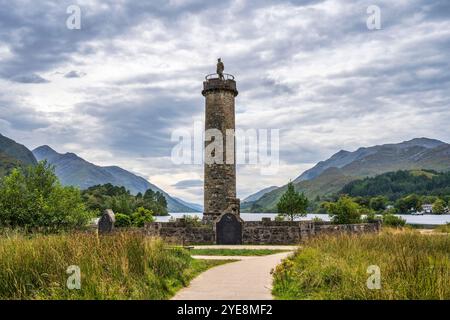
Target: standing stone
x,y
220,176
106,222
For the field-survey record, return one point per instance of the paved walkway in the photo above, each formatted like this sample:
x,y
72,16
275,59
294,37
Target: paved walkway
x,y
250,247
246,279
223,257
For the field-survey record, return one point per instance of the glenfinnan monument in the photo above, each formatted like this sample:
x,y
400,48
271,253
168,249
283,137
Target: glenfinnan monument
x,y
222,223
220,91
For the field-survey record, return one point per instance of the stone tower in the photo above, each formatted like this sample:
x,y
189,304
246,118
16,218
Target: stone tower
x,y
220,91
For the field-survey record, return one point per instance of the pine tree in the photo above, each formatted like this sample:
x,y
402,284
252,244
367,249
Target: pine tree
x,y
292,204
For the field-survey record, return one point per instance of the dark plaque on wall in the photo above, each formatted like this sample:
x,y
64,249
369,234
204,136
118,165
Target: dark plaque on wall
x,y
229,229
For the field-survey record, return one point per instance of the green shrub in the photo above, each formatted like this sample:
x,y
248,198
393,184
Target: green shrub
x,y
33,199
344,211
393,221
370,217
123,221
192,221
141,217
439,206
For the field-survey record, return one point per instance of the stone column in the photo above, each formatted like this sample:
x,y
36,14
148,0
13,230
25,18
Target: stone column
x,y
220,178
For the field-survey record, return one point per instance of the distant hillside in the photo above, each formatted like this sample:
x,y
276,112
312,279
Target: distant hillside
x,y
7,163
13,155
331,175
196,207
75,171
256,196
395,185
374,159
16,151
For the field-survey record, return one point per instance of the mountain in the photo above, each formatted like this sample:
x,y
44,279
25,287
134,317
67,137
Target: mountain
x,y
331,175
7,163
13,155
75,171
398,184
16,151
195,206
388,152
256,196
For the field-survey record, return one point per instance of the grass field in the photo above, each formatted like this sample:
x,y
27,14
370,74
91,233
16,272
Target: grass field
x,y
444,228
120,266
234,252
412,266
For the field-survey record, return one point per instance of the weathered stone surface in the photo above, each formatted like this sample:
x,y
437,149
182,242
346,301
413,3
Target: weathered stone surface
x,y
220,178
181,232
106,222
229,229
256,232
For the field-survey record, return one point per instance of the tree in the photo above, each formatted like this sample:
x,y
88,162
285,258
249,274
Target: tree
x,y
142,216
362,201
378,204
393,221
439,206
122,220
407,203
292,204
35,200
370,217
344,211
119,199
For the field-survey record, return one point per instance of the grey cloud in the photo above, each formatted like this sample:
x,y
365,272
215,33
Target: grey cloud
x,y
188,184
144,127
29,78
74,74
20,117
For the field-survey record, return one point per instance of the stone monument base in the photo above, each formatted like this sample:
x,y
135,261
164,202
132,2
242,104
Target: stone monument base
x,y
254,232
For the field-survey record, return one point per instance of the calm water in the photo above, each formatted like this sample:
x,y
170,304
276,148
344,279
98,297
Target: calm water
x,y
425,219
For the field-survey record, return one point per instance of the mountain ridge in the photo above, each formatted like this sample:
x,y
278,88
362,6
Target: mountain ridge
x,y
257,195
14,155
328,176
73,170
17,151
343,157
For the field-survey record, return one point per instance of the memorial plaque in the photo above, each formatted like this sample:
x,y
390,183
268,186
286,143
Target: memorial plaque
x,y
229,229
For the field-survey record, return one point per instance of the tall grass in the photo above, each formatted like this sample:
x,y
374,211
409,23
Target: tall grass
x,y
119,266
412,266
445,228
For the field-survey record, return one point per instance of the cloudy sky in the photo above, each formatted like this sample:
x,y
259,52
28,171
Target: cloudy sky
x,y
115,90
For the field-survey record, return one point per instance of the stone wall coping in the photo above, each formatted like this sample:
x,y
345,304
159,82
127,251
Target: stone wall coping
x,y
181,223
255,232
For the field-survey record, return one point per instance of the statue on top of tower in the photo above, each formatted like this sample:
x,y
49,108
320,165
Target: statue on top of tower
x,y
220,68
